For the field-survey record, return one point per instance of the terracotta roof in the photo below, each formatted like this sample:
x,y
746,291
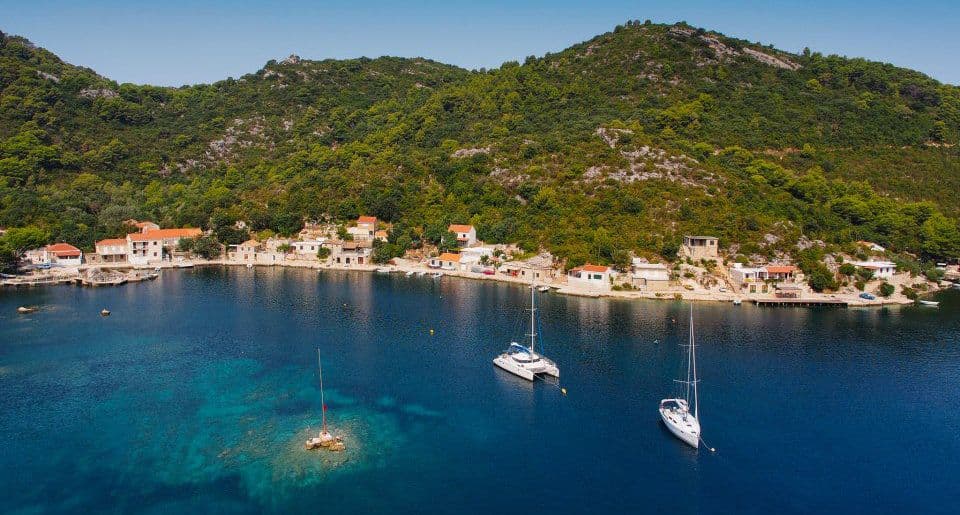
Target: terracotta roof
x,y
250,243
366,220
450,256
112,241
594,268
164,234
781,269
459,228
63,250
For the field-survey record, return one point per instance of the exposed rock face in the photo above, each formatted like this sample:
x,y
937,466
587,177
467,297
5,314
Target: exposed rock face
x,y
48,76
98,93
293,59
771,60
468,152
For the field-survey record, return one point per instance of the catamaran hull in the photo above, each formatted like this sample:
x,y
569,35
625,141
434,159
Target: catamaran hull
x,y
690,439
510,365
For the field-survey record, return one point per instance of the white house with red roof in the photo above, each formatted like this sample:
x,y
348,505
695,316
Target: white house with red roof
x,y
146,248
445,261
880,269
366,228
60,254
595,277
466,234
113,250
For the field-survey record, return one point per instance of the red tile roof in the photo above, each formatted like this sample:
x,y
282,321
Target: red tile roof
x,y
63,250
367,220
450,256
459,228
111,241
594,268
165,234
781,269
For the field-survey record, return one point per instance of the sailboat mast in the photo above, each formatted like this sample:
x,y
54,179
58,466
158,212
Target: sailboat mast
x,y
693,365
323,404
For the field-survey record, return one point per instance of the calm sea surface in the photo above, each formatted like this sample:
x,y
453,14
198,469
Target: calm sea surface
x,y
197,394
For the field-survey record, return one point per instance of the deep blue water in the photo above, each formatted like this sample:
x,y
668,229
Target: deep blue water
x,y
197,393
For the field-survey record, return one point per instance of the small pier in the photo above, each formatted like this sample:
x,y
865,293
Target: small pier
x,y
800,302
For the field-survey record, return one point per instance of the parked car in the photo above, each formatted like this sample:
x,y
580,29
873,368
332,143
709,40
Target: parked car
x,y
867,296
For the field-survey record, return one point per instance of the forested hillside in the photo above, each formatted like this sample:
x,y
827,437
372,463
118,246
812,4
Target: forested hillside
x,y
619,144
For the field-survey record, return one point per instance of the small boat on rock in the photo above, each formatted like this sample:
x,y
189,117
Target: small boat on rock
x,y
324,439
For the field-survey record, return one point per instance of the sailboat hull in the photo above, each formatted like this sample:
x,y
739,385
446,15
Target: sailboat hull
x,y
682,424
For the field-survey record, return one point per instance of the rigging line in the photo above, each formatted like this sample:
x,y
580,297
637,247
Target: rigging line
x,y
712,449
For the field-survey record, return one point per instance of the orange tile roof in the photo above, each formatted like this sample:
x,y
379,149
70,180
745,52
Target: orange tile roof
x,y
63,250
112,241
781,269
594,268
459,228
165,234
367,220
250,243
450,256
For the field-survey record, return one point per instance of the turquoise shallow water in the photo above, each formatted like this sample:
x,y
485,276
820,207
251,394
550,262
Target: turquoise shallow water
x,y
197,393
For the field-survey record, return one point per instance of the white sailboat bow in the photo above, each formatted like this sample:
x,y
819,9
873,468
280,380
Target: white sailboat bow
x,y
677,413
523,361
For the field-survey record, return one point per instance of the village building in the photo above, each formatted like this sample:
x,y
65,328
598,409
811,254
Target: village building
x,y
381,235
153,246
62,254
349,252
649,276
880,269
476,259
112,250
700,247
143,227
466,234
595,277
538,268
247,251
365,230
307,248
780,273
445,261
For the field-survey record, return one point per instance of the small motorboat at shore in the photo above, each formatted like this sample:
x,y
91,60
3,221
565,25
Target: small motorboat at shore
x,y
737,302
543,289
928,303
23,310
383,270
437,275
410,273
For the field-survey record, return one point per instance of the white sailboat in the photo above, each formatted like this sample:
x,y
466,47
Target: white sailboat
x,y
324,439
676,413
524,361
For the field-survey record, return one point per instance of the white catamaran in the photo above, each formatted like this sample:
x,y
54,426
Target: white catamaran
x,y
524,361
676,413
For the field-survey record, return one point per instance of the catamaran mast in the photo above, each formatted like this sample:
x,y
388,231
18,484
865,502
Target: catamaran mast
x,y
533,310
323,404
